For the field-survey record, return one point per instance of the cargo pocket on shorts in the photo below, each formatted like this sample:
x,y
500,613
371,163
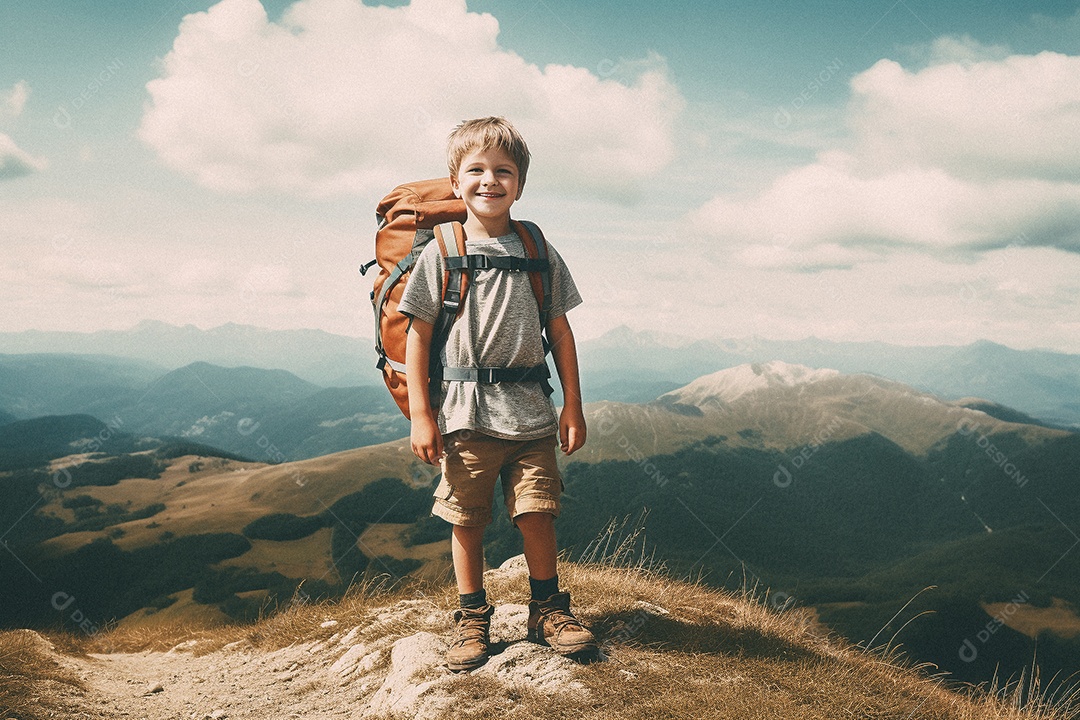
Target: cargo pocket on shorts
x,y
443,490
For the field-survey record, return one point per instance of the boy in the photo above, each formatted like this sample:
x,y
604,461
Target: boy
x,y
481,430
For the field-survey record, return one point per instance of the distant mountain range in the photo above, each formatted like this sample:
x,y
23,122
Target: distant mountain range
x,y
319,357
622,365
266,414
1043,384
846,493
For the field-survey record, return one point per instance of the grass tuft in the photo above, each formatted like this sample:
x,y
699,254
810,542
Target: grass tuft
x,y
33,684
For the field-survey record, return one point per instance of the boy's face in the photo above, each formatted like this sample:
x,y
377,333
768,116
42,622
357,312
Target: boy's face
x,y
488,182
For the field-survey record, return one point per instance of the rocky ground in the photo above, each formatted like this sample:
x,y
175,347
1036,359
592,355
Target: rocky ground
x,y
670,650
367,670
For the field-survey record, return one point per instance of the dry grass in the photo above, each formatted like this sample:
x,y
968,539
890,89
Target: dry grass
x,y
681,650
300,621
32,683
720,655
673,649
363,601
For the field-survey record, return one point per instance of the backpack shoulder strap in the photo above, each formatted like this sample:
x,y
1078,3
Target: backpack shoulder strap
x,y
536,247
456,277
455,285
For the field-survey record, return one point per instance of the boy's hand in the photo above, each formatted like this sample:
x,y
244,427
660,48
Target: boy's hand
x,y
426,439
571,429
424,434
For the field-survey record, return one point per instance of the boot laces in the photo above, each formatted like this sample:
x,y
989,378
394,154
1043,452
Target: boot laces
x,y
560,618
471,626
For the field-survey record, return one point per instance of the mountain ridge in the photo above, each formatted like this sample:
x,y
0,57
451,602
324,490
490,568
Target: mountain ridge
x,y
212,404
317,356
725,386
1041,383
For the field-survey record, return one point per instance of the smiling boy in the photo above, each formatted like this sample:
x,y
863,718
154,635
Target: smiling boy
x,y
480,431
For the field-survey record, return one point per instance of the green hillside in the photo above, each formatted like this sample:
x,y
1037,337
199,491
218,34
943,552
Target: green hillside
x,y
244,410
847,495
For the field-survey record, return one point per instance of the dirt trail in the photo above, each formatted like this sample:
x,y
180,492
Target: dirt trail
x,y
382,661
368,670
226,684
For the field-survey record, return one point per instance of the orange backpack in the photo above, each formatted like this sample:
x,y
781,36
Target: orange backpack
x,y
409,217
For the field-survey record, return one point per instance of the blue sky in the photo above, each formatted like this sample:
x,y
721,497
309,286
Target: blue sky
x,y
902,171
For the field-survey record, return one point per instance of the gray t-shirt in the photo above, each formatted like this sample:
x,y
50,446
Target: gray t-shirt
x,y
500,327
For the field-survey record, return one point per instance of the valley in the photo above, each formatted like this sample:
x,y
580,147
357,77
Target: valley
x,y
847,494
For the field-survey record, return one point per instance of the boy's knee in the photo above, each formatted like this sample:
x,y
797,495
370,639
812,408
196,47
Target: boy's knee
x,y
533,520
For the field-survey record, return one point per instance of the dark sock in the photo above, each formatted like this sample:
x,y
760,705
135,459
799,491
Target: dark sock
x,y
543,589
474,600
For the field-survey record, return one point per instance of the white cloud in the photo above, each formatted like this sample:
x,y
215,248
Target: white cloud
x,y
962,156
1014,117
16,162
962,49
121,257
345,97
1021,296
13,103
830,204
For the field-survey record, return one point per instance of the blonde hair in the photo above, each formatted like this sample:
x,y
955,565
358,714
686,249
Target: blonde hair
x,y
485,134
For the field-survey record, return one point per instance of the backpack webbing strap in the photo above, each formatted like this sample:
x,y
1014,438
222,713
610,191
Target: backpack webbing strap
x,y
455,282
459,265
501,262
537,373
383,361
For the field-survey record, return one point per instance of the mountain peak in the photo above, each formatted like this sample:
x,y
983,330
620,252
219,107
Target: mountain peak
x,y
730,384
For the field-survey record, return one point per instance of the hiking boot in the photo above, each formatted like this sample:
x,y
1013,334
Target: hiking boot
x,y
470,647
551,623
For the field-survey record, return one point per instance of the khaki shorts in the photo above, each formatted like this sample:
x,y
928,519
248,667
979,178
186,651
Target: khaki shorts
x,y
530,478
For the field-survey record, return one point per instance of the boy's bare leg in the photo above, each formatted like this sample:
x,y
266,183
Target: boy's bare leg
x,y
538,536
550,620
467,548
470,646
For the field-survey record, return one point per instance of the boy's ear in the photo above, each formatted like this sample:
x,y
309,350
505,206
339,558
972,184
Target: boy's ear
x,y
454,185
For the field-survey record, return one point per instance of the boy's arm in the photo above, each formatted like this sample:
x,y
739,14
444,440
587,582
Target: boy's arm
x,y
424,436
564,351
